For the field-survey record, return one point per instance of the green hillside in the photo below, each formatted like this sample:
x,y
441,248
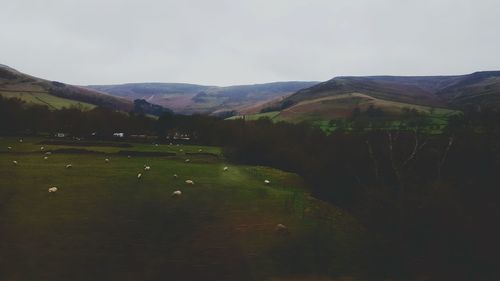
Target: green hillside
x,y
105,223
51,101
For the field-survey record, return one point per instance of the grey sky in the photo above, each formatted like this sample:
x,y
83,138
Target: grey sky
x,y
223,42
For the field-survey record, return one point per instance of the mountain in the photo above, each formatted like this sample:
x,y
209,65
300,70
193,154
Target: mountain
x,y
339,96
55,94
454,91
190,98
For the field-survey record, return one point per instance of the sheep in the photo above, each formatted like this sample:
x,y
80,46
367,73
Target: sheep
x,y
128,156
48,153
267,182
200,150
106,160
176,193
181,150
45,158
175,176
226,168
281,229
53,189
139,175
42,148
14,162
69,166
187,160
9,147
147,168
189,182
20,140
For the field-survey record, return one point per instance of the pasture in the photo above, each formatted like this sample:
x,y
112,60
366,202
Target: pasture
x,y
104,223
46,99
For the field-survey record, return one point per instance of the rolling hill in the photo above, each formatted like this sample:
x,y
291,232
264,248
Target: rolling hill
x,y
479,88
190,98
437,96
54,94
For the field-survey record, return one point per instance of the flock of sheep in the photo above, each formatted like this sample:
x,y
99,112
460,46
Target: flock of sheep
x,y
280,228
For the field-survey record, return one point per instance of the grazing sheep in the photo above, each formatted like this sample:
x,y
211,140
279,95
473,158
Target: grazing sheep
x,y
48,153
69,166
181,150
9,147
281,229
176,193
200,150
128,156
139,175
226,168
42,148
267,182
147,168
20,140
189,182
14,162
187,160
45,158
52,189
175,176
106,160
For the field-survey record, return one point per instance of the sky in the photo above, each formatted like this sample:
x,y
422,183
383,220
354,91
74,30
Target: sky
x,y
227,42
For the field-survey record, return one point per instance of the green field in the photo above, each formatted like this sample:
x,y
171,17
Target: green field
x,y
319,112
51,101
104,223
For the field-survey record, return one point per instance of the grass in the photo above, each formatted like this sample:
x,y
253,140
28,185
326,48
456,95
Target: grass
x,y
51,101
319,112
105,224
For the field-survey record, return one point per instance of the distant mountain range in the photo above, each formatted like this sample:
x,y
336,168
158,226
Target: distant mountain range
x,y
287,100
190,98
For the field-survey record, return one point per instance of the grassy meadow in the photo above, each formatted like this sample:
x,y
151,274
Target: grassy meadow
x,y
51,101
104,223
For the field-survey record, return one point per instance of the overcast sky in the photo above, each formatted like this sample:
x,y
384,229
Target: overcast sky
x,y
224,42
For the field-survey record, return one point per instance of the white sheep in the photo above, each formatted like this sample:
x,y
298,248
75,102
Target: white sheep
x,y
45,158
20,140
175,176
106,160
200,150
189,182
48,153
139,175
147,168
14,162
181,150
187,160
128,156
9,147
226,168
176,193
69,166
156,144
52,189
42,148
281,229
267,182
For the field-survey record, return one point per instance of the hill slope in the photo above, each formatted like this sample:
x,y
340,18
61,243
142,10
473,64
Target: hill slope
x,y
190,98
54,94
480,88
